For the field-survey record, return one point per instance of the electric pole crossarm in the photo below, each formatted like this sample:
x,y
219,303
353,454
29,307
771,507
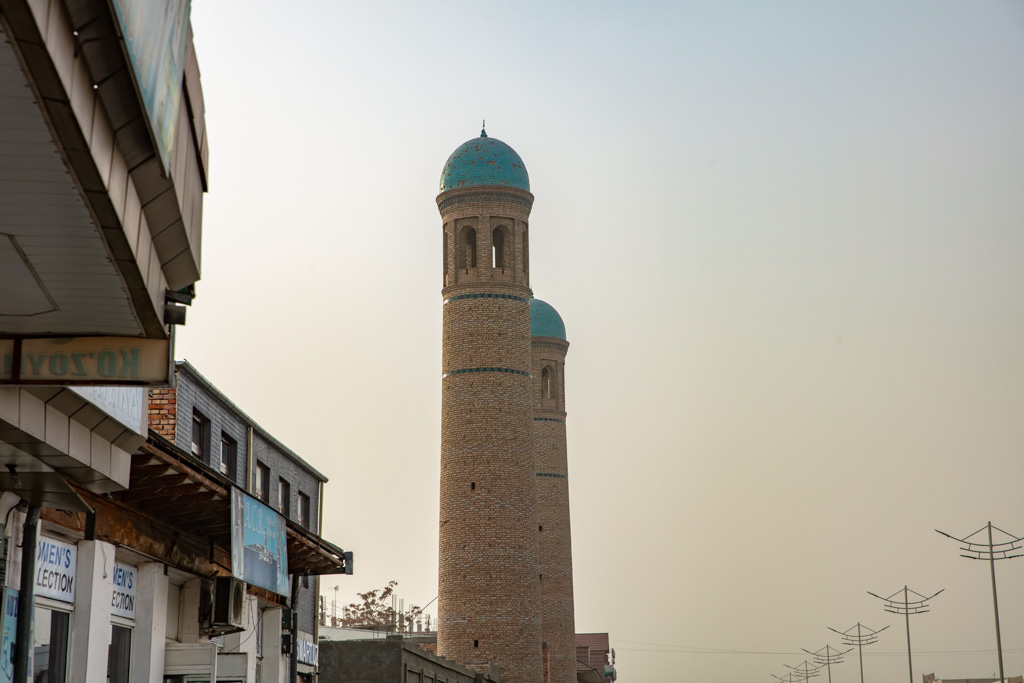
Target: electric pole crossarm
x,y
906,607
991,551
863,636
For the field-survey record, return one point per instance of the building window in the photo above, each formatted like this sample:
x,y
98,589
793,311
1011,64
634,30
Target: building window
x,y
261,485
498,248
545,382
526,252
227,456
200,435
303,510
119,654
284,495
52,629
466,250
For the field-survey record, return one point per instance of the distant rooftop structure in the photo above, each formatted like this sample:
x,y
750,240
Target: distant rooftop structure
x,y
595,660
931,678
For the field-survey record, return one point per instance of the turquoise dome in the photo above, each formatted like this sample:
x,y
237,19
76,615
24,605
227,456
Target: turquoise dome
x,y
484,161
545,321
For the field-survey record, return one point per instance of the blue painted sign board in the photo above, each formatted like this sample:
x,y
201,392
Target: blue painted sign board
x,y
259,544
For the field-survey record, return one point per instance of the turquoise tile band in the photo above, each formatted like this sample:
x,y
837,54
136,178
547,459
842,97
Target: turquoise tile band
x,y
505,370
485,295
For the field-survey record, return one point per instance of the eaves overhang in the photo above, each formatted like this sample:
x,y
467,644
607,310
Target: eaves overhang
x,y
170,485
95,229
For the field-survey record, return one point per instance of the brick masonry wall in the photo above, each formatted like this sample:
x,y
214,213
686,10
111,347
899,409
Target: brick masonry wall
x,y
555,539
488,573
163,412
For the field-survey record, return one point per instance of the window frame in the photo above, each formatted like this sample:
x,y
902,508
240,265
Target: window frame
x,y
304,514
66,609
232,456
261,475
284,496
203,442
125,625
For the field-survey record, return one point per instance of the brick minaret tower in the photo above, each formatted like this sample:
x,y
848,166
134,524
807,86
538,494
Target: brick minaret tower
x,y
488,572
557,612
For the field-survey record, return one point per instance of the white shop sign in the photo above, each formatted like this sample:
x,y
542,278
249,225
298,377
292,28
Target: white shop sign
x,y
307,652
55,569
122,604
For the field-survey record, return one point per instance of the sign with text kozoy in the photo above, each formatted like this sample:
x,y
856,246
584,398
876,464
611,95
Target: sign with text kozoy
x,y
259,544
85,360
56,562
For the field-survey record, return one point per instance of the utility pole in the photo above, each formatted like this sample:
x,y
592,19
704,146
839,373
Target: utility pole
x,y
787,679
906,608
989,551
334,617
828,659
864,636
804,671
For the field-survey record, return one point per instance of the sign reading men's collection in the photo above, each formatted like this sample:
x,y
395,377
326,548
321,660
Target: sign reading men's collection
x,y
55,569
122,604
259,544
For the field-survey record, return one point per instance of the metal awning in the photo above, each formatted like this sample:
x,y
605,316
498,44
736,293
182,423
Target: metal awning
x,y
45,488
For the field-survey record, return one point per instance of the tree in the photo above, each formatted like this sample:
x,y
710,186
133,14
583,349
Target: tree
x,y
377,611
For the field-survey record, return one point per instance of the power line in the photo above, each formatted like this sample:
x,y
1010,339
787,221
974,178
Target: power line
x,y
697,650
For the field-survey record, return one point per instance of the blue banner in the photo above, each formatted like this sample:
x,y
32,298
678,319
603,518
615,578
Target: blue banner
x,y
10,631
156,33
259,544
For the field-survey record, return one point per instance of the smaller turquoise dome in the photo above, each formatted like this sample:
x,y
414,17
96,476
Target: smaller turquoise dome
x,y
545,321
484,161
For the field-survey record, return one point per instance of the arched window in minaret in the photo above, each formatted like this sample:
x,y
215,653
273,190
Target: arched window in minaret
x,y
525,260
498,248
545,382
466,249
444,236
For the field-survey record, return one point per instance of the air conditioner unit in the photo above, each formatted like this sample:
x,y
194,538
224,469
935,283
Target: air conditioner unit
x,y
228,604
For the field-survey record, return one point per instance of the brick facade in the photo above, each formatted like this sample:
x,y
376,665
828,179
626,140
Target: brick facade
x,y
163,412
557,607
488,573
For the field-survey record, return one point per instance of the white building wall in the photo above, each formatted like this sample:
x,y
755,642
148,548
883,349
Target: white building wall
x,y
150,624
90,623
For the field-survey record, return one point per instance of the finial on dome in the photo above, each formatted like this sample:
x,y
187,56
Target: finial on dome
x,y
483,129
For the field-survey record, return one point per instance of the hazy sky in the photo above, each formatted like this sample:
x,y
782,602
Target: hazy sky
x,y
785,237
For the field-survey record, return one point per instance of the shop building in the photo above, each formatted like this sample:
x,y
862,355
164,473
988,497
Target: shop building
x,y
193,573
